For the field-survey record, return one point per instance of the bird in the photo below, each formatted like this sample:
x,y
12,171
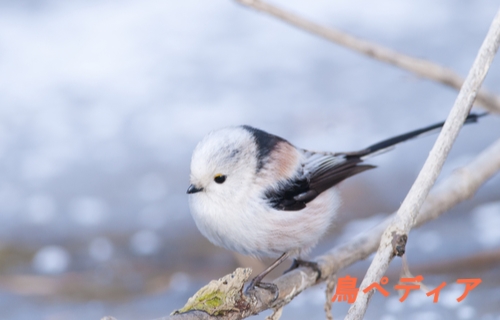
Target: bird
x,y
257,194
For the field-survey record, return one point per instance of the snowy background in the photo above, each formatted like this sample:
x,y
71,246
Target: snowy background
x,y
102,103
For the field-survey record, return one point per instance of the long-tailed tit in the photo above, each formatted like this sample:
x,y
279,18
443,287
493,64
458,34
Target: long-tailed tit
x,y
257,194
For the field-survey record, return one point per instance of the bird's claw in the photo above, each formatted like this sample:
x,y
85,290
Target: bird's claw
x,y
264,285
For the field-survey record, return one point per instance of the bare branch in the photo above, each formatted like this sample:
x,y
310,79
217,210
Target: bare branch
x,y
407,213
331,282
421,67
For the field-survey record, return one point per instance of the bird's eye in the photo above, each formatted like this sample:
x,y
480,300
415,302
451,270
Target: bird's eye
x,y
219,178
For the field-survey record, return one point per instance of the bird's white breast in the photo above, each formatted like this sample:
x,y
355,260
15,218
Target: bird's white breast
x,y
254,228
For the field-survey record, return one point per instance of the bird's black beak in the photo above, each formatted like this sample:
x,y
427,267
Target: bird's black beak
x,y
192,189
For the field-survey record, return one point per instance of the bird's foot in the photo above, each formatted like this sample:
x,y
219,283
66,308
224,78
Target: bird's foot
x,y
263,285
302,263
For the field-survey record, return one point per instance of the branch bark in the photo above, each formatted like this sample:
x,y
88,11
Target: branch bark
x,y
421,67
407,213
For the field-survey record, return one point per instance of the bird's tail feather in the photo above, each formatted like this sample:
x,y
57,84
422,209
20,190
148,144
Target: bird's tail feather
x,y
388,144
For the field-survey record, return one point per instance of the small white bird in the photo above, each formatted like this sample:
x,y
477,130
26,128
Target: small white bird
x,y
255,193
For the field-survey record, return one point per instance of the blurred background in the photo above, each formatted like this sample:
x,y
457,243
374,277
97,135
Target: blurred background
x,y
102,103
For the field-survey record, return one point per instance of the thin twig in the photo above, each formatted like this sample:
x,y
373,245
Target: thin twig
x,y
407,213
421,67
459,186
331,282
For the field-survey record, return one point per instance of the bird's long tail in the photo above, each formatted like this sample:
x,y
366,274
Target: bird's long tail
x,y
388,144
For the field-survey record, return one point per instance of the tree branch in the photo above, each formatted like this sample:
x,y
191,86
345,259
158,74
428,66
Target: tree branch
x,y
421,67
407,213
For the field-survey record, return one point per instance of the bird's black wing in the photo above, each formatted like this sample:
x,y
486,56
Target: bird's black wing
x,y
321,172
330,172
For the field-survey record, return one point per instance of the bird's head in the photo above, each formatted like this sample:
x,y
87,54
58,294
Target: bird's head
x,y
223,164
